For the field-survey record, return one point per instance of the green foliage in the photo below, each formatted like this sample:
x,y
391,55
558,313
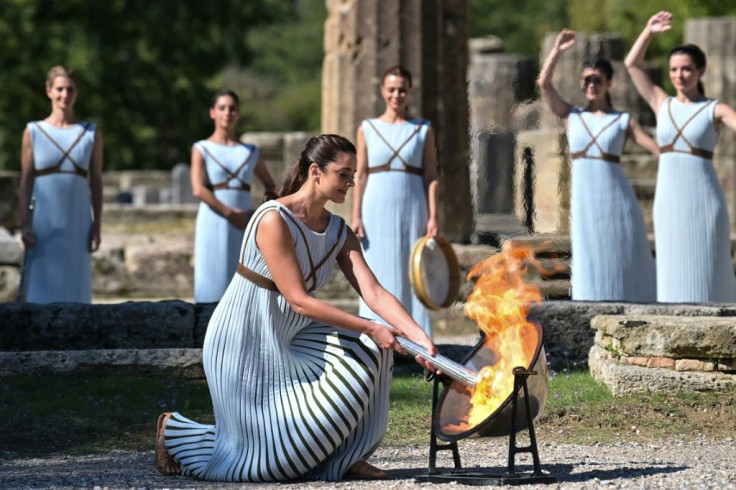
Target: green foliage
x,y
629,18
80,414
145,69
521,25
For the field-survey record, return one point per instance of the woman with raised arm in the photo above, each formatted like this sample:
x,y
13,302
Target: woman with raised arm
x,y
691,223
611,257
299,387
61,168
222,169
396,190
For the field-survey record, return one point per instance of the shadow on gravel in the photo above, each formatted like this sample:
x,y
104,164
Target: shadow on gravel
x,y
564,472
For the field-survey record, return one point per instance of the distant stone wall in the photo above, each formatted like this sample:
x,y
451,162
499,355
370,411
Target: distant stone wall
x,y
643,353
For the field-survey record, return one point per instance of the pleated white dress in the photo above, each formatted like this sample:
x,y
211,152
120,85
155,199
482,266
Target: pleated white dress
x,y
293,399
611,257
217,242
394,208
59,266
691,221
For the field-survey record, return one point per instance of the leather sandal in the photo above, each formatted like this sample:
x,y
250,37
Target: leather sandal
x,y
165,462
365,471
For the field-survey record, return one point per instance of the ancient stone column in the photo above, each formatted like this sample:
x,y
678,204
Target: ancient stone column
x,y
429,37
497,83
717,38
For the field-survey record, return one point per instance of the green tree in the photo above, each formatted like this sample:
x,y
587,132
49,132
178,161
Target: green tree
x,y
145,69
521,24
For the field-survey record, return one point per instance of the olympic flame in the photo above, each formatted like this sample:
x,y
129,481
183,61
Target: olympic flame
x,y
499,304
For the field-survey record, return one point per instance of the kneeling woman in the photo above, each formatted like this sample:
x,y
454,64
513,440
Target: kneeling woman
x,y
299,388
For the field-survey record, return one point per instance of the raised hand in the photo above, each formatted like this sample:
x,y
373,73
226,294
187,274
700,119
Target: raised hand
x,y
565,39
660,22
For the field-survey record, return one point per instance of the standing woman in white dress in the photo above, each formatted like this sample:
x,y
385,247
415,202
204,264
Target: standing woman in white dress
x,y
61,168
396,191
691,222
611,257
222,169
299,388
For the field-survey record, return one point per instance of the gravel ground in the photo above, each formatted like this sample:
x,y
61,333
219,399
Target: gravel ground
x,y
673,464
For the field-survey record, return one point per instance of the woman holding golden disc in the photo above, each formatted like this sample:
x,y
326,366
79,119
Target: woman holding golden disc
x,y
396,191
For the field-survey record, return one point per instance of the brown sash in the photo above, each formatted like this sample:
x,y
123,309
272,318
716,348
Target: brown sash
x,y
244,186
594,141
692,151
266,283
386,167
56,169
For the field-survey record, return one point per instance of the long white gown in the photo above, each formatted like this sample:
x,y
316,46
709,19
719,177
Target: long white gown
x,y
292,398
611,257
691,222
217,242
394,208
59,266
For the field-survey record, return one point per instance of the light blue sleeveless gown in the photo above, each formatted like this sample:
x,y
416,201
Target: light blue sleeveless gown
x,y
611,257
217,242
395,211
292,398
59,265
691,221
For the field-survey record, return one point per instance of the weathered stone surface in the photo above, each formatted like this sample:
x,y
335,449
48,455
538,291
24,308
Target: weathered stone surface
x,y
636,361
726,365
492,171
485,45
166,362
626,379
11,249
164,269
672,337
566,326
694,365
497,83
660,362
542,185
9,282
72,326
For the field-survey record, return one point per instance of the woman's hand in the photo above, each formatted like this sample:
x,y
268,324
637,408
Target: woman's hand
x,y
94,237
660,22
357,227
432,228
384,337
239,218
564,40
28,237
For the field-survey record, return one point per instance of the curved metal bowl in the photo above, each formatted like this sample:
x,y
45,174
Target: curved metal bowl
x,y
454,403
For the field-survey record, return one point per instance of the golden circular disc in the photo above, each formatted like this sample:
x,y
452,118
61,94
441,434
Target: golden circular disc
x,y
434,272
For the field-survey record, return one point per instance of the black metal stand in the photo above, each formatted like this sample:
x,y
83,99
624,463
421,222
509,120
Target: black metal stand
x,y
460,475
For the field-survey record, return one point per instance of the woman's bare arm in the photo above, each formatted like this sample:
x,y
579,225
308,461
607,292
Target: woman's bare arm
x,y
431,183
361,180
651,93
561,108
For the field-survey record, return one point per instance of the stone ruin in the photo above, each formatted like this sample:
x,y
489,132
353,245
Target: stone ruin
x,y
517,182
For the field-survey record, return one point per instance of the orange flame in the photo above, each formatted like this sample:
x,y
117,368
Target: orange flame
x,y
499,304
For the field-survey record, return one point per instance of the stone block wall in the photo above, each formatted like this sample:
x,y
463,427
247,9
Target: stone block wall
x,y
642,353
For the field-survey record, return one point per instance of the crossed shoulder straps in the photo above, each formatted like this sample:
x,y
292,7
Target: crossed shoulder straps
x,y
266,283
692,149
594,141
231,174
65,155
395,152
